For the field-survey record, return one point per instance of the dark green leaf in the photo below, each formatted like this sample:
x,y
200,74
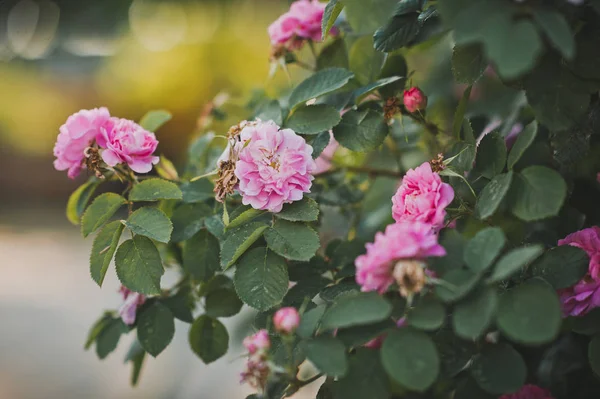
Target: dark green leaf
x,y
79,199
356,310
103,249
365,378
334,55
97,328
459,115
208,339
491,155
188,220
320,83
271,111
537,193
155,328
102,209
411,359
305,210
319,143
365,17
136,356
474,315
197,191
459,283
562,266
328,355
530,313
295,241
310,321
150,222
492,195
524,140
201,255
514,261
261,278
468,63
499,369
238,240
139,266
365,61
108,339
332,11
354,337
153,120
313,119
588,324
360,94
361,130
397,33
428,314
222,303
154,190
481,251
594,354
557,28
181,304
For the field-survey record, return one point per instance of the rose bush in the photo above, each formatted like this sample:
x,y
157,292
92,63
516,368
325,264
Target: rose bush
x,y
394,240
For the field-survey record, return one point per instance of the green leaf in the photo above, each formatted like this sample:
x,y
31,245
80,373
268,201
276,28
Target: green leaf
x,y
468,63
411,359
328,354
108,338
397,33
319,142
428,314
492,195
394,66
102,209
271,111
363,92
332,11
366,17
295,241
356,310
310,321
222,303
313,119
136,356
79,199
530,313
208,338
155,328
245,217
594,354
154,190
491,155
238,240
334,55
150,222
197,191
474,315
562,267
365,61
103,249
320,83
459,115
537,193
181,304
587,324
481,251
153,120
139,266
524,140
499,369
97,328
305,210
188,219
201,255
556,27
355,337
365,378
361,130
514,261
459,283
261,278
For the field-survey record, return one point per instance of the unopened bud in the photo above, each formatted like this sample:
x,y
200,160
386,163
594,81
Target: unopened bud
x,y
286,320
414,100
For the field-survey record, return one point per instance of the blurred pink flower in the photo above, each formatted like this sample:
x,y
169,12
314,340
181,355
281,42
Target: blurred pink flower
x,y
422,197
529,391
588,240
78,133
286,320
301,22
258,342
414,99
581,298
131,302
403,240
274,167
125,141
323,161
257,369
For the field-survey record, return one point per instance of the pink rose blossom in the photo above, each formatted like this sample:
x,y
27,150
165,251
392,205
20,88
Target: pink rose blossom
x,y
581,298
301,22
125,141
323,161
414,100
274,166
403,240
258,342
78,133
422,196
588,240
286,320
132,301
283,29
529,392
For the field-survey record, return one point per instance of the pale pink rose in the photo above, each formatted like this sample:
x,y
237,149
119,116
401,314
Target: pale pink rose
x,y
414,100
581,298
588,240
125,141
529,391
258,342
283,29
286,320
131,302
274,166
422,196
403,240
323,161
78,133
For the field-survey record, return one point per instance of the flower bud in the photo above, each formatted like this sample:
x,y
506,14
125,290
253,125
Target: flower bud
x,y
410,276
414,100
286,320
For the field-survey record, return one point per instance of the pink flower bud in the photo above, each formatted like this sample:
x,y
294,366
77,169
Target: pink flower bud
x,y
258,342
286,320
414,99
131,302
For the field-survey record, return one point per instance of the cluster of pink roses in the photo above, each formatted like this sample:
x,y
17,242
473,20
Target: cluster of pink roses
x,y
397,254
119,141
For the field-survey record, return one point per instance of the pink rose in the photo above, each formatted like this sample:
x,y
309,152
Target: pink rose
x,y
414,99
286,320
274,167
581,298
258,342
403,240
283,29
529,392
132,301
323,161
301,22
125,141
422,196
78,133
588,240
